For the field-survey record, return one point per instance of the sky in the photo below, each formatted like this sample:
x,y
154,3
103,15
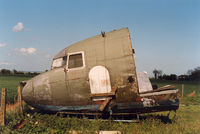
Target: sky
x,y
165,33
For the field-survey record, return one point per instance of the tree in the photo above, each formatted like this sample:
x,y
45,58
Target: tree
x,y
15,71
173,77
189,72
5,71
160,74
155,72
195,75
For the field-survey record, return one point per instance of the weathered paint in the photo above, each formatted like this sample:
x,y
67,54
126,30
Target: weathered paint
x,y
65,89
99,81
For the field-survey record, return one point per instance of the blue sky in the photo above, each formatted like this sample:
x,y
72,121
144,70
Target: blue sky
x,y
165,33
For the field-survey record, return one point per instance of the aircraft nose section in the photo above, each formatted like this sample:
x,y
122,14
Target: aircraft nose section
x,y
27,92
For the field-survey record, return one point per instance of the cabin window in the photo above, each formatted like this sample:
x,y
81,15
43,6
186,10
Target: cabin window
x,y
60,62
76,60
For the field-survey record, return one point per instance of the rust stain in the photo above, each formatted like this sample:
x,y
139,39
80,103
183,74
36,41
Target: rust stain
x,y
104,82
98,102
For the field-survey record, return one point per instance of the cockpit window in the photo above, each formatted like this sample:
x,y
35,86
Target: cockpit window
x,y
59,62
75,60
64,61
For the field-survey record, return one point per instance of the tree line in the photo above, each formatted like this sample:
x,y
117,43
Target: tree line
x,y
17,73
192,75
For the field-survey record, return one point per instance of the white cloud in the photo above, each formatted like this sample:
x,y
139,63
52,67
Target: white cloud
x,y
3,44
31,50
25,51
18,27
6,63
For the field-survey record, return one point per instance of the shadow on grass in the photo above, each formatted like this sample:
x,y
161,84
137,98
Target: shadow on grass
x,y
166,119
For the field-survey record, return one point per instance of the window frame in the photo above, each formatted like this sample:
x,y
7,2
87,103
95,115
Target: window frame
x,y
54,67
76,68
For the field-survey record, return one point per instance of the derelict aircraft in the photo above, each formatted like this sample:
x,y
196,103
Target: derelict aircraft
x,y
96,76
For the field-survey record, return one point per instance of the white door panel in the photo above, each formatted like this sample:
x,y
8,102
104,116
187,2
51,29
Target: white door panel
x,y
99,80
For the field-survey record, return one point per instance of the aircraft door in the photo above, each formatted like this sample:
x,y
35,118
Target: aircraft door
x,y
76,77
99,81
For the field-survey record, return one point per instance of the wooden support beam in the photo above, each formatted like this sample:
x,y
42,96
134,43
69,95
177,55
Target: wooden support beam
x,y
20,108
104,104
3,107
107,96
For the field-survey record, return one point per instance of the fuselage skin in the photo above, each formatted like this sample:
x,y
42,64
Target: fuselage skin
x,y
69,89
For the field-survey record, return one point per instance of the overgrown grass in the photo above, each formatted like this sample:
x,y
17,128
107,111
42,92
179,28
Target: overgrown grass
x,y
187,119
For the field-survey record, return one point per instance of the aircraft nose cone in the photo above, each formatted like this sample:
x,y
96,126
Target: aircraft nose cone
x,y
27,92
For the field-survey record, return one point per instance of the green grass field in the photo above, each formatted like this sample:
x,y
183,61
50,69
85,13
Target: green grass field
x,y
187,119
11,83
189,86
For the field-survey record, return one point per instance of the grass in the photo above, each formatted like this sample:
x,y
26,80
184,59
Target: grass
x,y
189,86
11,83
187,119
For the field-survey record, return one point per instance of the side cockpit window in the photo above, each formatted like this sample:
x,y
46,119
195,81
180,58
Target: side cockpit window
x,y
76,60
64,62
60,62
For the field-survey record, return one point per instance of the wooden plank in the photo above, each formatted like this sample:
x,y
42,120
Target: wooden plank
x,y
167,87
3,107
104,104
103,94
20,100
